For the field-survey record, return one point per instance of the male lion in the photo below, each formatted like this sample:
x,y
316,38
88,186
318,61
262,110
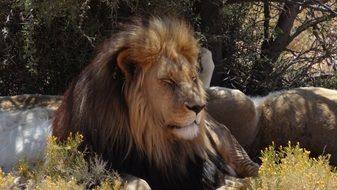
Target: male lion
x,y
140,105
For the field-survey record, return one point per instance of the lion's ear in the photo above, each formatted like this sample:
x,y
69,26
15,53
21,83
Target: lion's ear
x,y
128,66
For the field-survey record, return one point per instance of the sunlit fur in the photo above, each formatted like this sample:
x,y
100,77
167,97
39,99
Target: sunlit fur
x,y
307,115
111,105
236,110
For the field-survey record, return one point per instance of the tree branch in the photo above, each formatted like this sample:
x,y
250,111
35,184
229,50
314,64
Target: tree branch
x,y
310,23
266,12
251,1
283,27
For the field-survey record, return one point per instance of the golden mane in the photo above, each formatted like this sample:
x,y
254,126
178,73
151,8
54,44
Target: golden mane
x,y
145,46
98,101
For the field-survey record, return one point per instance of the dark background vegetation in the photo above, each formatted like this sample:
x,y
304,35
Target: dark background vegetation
x,y
258,46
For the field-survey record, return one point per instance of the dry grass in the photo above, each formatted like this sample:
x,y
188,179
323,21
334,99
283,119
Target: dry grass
x,y
287,167
65,168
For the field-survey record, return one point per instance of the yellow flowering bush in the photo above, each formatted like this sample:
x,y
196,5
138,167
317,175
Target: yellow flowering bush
x,y
284,168
6,181
291,167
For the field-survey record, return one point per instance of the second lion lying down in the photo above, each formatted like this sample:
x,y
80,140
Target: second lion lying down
x,y
140,104
306,115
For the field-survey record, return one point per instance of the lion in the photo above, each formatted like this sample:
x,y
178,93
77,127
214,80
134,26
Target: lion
x,y
236,111
307,115
140,105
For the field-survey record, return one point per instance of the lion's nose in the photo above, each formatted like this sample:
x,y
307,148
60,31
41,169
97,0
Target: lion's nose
x,y
195,108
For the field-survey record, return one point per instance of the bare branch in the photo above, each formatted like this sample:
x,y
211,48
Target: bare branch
x,y
310,23
323,7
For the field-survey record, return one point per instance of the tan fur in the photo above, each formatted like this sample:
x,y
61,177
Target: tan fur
x,y
207,67
234,109
135,183
230,149
305,115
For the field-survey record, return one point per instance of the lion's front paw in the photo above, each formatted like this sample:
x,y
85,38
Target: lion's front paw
x,y
232,183
135,183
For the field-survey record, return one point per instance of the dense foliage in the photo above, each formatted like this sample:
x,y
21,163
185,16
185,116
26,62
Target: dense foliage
x,y
44,44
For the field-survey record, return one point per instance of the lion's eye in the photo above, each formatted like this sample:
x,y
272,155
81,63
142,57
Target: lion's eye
x,y
171,83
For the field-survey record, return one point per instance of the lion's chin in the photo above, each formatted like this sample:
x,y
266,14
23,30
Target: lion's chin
x,y
188,132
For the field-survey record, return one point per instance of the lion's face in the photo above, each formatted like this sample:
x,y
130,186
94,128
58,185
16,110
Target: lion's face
x,y
162,87
175,93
